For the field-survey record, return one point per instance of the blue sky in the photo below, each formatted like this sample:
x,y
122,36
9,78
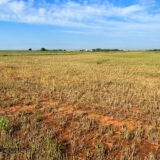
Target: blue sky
x,y
79,24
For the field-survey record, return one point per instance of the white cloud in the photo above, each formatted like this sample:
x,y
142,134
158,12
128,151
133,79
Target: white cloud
x,y
16,6
3,1
131,9
102,15
147,2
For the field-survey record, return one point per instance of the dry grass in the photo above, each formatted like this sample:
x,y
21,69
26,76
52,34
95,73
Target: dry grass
x,y
83,106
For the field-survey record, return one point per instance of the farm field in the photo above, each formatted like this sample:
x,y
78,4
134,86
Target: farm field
x,y
80,105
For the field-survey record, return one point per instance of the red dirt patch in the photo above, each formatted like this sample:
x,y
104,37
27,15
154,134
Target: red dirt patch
x,y
50,119
16,109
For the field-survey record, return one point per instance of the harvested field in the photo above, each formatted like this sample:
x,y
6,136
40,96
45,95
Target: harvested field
x,y
80,105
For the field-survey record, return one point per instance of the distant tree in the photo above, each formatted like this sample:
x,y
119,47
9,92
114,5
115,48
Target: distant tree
x,y
30,49
43,49
156,50
104,50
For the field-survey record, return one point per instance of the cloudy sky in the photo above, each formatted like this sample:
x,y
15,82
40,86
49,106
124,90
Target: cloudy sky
x,y
79,24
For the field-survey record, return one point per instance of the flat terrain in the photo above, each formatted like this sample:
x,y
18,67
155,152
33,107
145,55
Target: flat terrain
x,y
79,105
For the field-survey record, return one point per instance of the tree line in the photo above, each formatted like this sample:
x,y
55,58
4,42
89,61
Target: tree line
x,y
93,50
